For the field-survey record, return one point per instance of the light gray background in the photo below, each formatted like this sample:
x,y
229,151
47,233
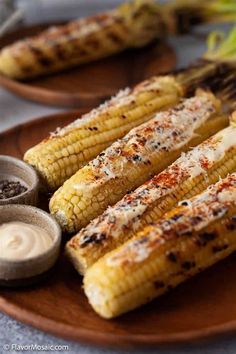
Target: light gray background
x,y
14,110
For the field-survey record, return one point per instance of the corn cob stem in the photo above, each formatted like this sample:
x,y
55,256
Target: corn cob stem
x,y
215,67
189,175
143,152
187,240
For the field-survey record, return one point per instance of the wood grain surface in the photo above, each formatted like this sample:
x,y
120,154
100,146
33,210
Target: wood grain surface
x,y
90,84
201,308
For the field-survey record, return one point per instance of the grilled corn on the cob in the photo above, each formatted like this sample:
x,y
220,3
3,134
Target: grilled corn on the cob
x,y
133,24
187,240
61,155
129,162
186,177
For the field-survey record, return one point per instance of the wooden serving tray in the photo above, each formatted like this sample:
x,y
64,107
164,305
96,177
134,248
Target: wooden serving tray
x,y
90,84
202,307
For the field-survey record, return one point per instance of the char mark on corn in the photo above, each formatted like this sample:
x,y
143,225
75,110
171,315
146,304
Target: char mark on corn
x,y
132,160
134,24
186,177
184,242
70,148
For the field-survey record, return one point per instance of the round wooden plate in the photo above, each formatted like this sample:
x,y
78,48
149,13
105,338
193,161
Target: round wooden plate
x,y
202,307
90,84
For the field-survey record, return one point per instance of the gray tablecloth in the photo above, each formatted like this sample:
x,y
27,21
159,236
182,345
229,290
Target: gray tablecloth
x,y
13,111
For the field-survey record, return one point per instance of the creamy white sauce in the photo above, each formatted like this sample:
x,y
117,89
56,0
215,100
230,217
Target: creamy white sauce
x,y
227,196
213,150
19,241
208,207
128,211
160,129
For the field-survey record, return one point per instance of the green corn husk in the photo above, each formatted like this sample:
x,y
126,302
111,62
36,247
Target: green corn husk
x,y
221,46
181,15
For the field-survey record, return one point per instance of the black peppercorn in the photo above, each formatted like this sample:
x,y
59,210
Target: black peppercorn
x,y
10,189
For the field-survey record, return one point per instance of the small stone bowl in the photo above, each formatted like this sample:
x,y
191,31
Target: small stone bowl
x,y
13,169
24,272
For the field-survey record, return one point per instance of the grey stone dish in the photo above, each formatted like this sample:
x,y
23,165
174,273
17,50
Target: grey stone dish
x,y
20,272
16,170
